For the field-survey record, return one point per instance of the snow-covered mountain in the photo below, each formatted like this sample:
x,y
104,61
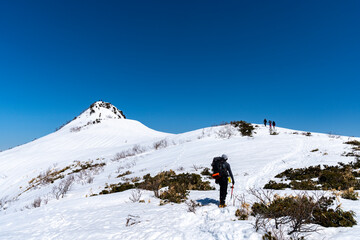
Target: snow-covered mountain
x,y
101,137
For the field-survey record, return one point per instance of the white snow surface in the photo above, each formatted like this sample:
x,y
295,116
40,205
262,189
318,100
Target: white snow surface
x,y
254,161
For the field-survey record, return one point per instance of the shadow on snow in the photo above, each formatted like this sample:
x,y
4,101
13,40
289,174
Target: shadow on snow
x,y
207,201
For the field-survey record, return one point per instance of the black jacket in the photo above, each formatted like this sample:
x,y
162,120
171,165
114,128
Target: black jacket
x,y
227,166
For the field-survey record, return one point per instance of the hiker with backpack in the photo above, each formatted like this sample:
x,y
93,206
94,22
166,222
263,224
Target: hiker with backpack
x,y
273,124
221,172
270,123
265,121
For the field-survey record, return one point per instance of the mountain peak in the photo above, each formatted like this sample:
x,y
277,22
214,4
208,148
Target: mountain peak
x,y
97,108
97,112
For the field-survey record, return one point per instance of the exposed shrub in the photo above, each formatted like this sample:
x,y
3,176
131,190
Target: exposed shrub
x,y
132,220
176,193
300,173
196,168
225,132
341,177
308,134
277,186
178,185
175,186
119,187
350,154
334,217
36,203
350,194
75,129
181,168
154,184
299,211
160,144
220,124
193,205
269,236
3,203
206,172
137,149
121,155
88,165
246,129
353,142
338,178
243,211
135,195
60,190
304,185
124,174
47,177
86,176
241,215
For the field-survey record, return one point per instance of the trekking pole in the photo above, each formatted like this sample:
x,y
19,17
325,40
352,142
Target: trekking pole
x,y
232,189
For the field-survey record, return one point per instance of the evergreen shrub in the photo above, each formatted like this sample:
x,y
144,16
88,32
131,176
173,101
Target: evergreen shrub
x,y
246,129
341,177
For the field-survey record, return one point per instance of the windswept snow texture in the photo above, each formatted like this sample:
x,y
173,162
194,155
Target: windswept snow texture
x,y
254,161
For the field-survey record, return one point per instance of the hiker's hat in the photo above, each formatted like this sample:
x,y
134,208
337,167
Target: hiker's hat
x,y
224,156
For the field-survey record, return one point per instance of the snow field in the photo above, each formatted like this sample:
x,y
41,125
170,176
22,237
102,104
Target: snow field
x,y
254,161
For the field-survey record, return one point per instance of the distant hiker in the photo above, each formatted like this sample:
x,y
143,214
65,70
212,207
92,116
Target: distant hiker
x,y
222,171
273,124
265,121
270,123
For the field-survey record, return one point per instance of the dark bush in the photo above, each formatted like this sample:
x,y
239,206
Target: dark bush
x,y
178,186
124,174
304,185
337,178
88,165
241,215
302,209
176,193
300,173
206,172
353,142
277,186
350,194
268,236
334,218
340,177
154,184
160,144
120,187
246,129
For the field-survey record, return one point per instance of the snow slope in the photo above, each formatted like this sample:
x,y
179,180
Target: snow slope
x,y
254,161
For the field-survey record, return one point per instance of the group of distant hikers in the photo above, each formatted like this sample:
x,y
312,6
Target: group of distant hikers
x,y
271,123
222,172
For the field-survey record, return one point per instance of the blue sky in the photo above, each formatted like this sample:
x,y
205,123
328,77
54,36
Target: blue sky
x,y
177,66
